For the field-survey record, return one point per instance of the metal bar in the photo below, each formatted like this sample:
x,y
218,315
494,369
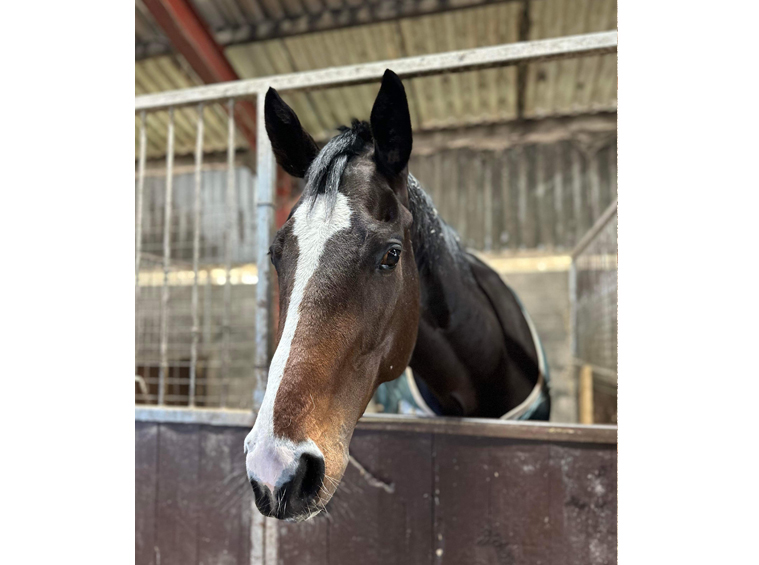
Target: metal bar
x,y
573,308
603,371
196,256
257,535
605,218
453,61
166,260
586,394
140,192
181,415
191,36
271,542
266,179
228,246
534,431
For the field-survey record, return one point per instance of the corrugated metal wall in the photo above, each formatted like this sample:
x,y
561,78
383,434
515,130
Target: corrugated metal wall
x,y
539,196
213,216
527,197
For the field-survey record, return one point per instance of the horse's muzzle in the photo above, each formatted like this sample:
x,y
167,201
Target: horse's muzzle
x,y
286,482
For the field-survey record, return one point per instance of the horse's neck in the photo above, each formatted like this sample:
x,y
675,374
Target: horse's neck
x,y
460,352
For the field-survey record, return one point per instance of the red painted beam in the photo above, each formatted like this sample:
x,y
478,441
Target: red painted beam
x,y
192,38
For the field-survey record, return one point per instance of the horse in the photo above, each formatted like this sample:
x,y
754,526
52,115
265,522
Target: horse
x,y
372,280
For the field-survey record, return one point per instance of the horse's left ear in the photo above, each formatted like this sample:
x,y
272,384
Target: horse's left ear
x,y
293,147
391,126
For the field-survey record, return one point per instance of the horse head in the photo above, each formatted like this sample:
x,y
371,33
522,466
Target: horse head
x,y
349,299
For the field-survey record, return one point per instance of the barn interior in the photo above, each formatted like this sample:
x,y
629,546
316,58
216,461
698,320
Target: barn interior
x,y
520,160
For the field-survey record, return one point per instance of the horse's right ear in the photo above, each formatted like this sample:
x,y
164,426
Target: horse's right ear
x,y
293,147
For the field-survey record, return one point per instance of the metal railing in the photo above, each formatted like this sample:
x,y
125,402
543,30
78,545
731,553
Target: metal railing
x,y
593,302
228,95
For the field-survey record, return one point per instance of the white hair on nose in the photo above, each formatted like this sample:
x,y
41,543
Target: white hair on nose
x,y
313,226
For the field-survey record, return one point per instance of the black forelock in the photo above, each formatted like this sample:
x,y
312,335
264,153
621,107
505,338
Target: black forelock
x,y
323,176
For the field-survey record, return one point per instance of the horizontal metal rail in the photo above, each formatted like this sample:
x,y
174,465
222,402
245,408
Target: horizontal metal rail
x,y
409,67
536,431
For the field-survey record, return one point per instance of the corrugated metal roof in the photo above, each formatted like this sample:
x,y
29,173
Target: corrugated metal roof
x,y
486,96
573,86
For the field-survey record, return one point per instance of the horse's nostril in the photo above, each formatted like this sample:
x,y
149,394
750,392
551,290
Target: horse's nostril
x,y
311,471
295,490
262,497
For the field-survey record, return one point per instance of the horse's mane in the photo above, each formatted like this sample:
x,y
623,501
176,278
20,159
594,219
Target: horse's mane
x,y
323,176
431,235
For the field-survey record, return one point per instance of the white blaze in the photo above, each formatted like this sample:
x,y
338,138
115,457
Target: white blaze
x,y
268,458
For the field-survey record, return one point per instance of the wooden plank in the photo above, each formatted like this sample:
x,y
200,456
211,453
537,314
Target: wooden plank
x,y
528,211
462,165
570,221
450,185
613,170
476,200
524,503
594,179
488,164
473,198
145,486
557,163
177,512
544,192
509,194
225,496
460,494
307,543
582,222
371,526
437,180
584,504
496,179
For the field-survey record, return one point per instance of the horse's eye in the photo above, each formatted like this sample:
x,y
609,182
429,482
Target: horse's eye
x,y
390,260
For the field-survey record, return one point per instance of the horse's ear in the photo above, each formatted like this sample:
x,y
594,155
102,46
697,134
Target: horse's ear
x,y
391,126
293,147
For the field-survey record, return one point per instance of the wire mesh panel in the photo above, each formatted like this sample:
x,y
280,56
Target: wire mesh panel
x,y
195,283
594,312
596,299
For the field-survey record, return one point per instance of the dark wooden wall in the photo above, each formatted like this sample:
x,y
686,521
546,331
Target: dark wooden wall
x,y
457,499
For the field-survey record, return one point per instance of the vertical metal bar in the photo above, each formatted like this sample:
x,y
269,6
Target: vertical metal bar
x,y
586,394
140,192
271,544
264,530
266,179
257,535
263,536
573,333
139,321
228,244
166,260
196,256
